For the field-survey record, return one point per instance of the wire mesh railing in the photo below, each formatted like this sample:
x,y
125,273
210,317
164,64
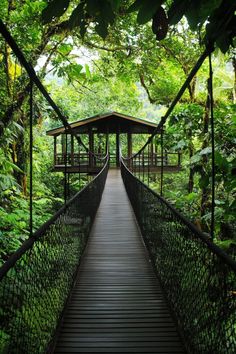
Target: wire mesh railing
x,y
36,280
198,278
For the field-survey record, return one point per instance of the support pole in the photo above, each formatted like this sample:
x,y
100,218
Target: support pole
x,y
65,173
152,154
55,150
162,163
139,165
117,149
31,159
72,150
129,143
63,146
91,147
213,148
148,162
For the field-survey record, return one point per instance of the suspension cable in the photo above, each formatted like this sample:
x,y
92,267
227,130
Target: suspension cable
x,y
65,173
213,147
162,163
164,118
31,159
33,76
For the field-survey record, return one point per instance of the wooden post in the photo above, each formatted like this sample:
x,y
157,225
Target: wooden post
x,y
155,151
117,149
63,148
162,163
152,154
55,150
129,143
91,147
63,145
72,149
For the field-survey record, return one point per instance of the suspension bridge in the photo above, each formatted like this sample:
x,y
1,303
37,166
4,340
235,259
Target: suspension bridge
x,y
117,268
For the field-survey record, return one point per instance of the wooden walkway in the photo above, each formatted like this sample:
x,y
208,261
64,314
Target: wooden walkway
x,y
117,305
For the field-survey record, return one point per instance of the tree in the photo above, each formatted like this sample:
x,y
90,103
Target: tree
x,y
216,18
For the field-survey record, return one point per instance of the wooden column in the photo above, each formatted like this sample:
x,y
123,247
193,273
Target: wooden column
x,y
91,146
107,139
63,149
63,144
55,150
72,149
117,149
162,163
129,143
152,154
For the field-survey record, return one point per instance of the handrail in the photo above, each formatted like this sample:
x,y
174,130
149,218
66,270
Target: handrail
x,y
205,237
198,277
38,233
37,279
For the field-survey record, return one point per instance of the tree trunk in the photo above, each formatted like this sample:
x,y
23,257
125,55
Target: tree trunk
x,y
192,89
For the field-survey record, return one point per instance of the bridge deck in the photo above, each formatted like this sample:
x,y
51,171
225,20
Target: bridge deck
x,y
117,305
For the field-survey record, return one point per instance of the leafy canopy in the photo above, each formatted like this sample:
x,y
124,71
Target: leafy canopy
x,y
216,17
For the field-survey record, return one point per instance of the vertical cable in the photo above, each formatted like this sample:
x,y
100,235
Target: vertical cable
x,y
148,162
68,185
143,166
65,177
162,163
213,148
139,165
31,159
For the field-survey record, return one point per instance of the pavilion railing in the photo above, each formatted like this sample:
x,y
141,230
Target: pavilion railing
x,y
79,159
198,278
152,160
36,280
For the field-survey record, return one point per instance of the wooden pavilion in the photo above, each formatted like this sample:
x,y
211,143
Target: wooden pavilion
x,y
67,152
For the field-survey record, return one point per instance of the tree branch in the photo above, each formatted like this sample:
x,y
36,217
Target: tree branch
x,y
115,49
142,81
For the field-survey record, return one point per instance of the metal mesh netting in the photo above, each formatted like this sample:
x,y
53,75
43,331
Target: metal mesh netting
x,y
34,289
198,278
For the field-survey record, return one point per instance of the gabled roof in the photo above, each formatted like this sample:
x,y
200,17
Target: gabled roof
x,y
109,122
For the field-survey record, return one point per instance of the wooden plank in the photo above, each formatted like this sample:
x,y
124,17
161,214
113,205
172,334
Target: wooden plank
x,y
117,305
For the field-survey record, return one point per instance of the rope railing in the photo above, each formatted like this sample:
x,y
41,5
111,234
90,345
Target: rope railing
x,y
198,278
36,280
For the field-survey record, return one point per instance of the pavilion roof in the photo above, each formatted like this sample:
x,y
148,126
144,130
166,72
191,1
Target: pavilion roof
x,y
111,122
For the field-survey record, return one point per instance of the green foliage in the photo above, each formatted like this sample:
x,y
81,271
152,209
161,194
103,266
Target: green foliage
x,y
185,129
103,13
146,9
55,8
108,82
